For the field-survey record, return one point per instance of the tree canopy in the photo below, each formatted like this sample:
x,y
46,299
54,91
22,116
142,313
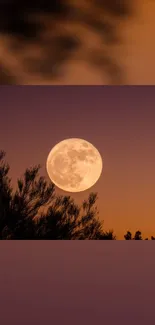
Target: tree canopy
x,y
35,211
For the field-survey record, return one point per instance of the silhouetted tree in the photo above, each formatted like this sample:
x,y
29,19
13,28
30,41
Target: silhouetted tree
x,y
34,211
22,20
108,235
5,193
138,235
17,210
65,220
128,235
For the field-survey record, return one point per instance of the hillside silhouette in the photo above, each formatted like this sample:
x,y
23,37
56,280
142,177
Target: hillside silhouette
x,y
35,211
27,22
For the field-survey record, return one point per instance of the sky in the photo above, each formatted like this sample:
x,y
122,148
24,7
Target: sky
x,y
118,121
135,54
72,283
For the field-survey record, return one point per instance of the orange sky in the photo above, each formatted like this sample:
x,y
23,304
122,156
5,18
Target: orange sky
x,y
118,121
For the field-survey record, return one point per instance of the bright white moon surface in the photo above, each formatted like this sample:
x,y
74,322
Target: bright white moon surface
x,y
74,165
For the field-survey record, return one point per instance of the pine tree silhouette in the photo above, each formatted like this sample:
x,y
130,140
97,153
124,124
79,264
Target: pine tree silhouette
x,y
35,211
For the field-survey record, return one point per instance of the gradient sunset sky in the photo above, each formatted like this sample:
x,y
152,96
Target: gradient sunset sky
x,y
119,121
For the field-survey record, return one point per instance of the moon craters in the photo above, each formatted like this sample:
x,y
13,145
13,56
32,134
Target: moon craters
x,y
74,165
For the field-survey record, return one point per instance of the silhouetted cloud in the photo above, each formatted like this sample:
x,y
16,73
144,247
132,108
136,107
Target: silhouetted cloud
x,y
55,28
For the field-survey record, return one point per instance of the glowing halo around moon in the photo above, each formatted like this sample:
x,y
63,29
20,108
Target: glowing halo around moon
x,y
74,165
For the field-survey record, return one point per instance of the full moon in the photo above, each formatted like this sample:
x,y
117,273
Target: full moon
x,y
74,165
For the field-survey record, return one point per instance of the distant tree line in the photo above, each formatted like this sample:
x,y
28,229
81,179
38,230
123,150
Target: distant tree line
x,y
35,211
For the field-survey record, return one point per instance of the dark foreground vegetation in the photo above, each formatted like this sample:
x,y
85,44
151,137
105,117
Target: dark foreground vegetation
x,y
35,211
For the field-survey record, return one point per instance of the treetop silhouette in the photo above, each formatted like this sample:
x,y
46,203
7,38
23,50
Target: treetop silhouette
x,y
35,211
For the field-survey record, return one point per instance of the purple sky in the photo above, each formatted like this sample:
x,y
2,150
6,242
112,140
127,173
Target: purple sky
x,y
44,283
119,121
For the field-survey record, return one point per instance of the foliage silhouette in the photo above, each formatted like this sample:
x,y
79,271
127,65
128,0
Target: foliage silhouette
x,y
137,236
21,20
128,235
35,211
